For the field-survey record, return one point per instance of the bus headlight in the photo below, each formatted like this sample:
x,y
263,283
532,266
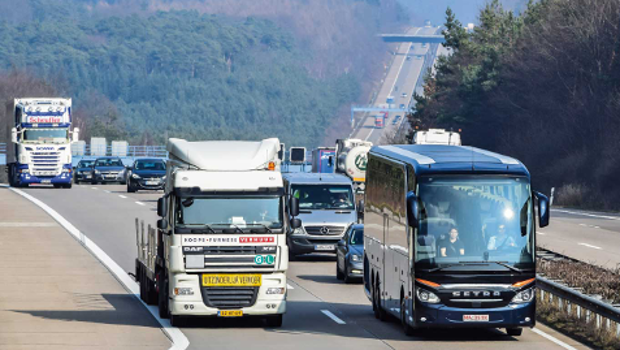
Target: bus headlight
x,y
426,296
525,296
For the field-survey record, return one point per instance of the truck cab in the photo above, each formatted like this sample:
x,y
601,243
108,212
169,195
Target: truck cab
x,y
221,245
41,137
326,208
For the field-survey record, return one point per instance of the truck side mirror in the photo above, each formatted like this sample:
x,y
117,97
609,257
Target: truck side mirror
x,y
412,209
162,207
294,206
543,209
14,135
162,224
295,223
76,134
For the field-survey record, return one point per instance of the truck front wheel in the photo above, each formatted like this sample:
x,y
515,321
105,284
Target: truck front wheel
x,y
274,321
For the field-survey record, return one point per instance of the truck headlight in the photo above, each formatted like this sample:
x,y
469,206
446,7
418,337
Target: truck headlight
x,y
183,291
271,291
524,296
426,297
135,176
356,257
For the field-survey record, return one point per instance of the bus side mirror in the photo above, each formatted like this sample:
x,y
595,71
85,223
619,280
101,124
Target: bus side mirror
x,y
76,134
412,209
14,135
543,209
295,223
294,206
162,207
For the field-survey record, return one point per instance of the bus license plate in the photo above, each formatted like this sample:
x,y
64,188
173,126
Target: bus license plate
x,y
230,313
475,318
324,247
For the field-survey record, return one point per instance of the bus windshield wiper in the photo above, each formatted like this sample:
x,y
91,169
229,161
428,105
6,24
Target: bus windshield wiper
x,y
501,263
441,268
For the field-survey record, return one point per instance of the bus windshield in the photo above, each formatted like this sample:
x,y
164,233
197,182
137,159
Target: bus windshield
x,y
475,220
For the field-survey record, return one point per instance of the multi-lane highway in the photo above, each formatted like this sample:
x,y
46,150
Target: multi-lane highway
x,y
322,311
400,83
586,236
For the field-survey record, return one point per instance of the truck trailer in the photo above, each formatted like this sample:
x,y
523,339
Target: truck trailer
x,y
41,139
220,246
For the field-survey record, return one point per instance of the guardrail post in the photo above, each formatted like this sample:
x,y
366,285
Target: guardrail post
x,y
579,312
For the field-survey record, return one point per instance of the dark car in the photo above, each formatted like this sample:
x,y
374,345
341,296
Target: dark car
x,y
83,171
350,254
108,169
147,174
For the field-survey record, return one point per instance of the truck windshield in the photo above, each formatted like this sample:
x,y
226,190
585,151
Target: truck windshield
x,y
324,196
219,213
474,220
46,135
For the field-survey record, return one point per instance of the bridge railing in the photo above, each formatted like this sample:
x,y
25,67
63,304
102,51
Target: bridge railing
x,y
85,150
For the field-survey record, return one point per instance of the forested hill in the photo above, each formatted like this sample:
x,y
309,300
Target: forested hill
x,y
180,73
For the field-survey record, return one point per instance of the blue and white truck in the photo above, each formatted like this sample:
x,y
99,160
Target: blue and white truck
x,y
41,138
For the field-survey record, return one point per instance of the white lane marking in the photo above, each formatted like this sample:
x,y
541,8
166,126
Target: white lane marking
x,y
28,224
541,233
590,246
587,214
124,197
93,188
553,339
140,203
333,317
370,133
107,191
179,340
584,225
289,286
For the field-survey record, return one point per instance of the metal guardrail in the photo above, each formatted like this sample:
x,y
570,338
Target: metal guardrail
x,y
603,312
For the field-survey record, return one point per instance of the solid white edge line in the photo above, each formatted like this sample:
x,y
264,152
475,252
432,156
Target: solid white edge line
x,y
178,339
93,188
553,339
140,203
587,214
124,197
333,317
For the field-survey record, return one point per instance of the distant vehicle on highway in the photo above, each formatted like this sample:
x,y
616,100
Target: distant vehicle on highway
x,y
83,171
408,58
108,169
419,57
350,254
437,137
379,121
402,106
326,208
146,174
396,119
404,94
390,99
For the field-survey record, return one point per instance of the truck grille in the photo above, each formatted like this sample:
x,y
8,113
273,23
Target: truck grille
x,y
232,257
45,163
325,230
229,297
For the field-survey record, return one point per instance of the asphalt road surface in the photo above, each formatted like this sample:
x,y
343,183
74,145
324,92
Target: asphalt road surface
x,y
323,313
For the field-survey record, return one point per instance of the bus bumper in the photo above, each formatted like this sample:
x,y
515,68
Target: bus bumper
x,y
441,316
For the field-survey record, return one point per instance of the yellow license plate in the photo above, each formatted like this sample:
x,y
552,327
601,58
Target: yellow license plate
x,y
231,280
230,313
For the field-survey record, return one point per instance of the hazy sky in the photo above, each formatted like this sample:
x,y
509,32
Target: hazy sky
x,y
466,10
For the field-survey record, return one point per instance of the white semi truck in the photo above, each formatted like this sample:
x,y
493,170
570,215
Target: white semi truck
x,y
220,247
437,137
41,142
